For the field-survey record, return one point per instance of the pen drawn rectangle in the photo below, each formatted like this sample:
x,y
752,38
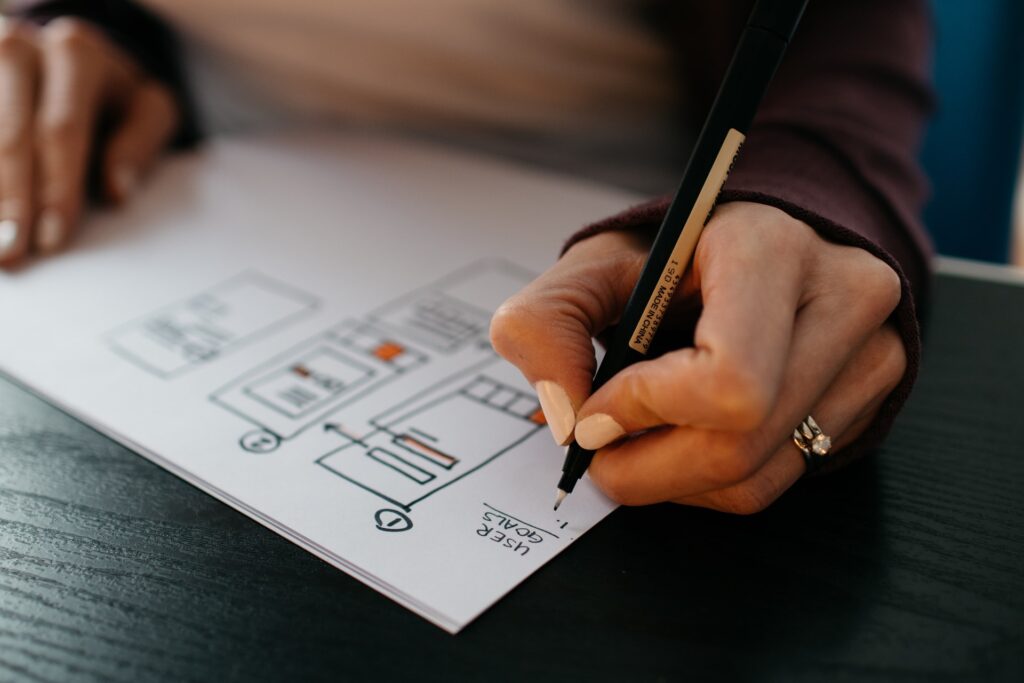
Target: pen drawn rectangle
x,y
308,384
400,465
287,394
433,432
183,336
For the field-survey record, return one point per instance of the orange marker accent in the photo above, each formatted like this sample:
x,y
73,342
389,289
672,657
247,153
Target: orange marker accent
x,y
388,351
538,417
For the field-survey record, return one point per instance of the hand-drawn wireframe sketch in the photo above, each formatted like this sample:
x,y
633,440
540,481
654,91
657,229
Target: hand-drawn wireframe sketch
x,y
297,389
398,387
422,445
187,334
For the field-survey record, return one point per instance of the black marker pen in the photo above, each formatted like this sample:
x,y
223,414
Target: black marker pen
x,y
758,54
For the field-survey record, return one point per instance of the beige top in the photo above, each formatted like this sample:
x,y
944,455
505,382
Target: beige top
x,y
509,63
569,78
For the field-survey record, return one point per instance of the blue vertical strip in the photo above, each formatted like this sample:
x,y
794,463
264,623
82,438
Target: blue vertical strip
x,y
972,148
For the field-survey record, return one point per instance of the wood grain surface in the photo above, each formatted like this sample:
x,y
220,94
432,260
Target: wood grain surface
x,y
908,566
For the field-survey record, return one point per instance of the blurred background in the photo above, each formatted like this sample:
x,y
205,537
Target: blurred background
x,y
972,151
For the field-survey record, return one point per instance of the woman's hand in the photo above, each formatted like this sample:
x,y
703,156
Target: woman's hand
x,y
787,324
56,85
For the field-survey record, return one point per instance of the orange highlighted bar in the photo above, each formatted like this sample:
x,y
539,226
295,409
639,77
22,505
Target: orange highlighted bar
x,y
388,351
428,452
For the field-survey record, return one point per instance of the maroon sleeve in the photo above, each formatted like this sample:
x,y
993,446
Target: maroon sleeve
x,y
834,144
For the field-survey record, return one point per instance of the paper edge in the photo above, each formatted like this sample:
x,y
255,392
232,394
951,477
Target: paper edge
x,y
434,616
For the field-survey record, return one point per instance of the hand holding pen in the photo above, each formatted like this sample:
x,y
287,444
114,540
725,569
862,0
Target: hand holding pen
x,y
788,325
771,324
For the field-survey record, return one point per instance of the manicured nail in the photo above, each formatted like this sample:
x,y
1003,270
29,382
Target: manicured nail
x,y
558,410
125,181
597,431
8,234
50,230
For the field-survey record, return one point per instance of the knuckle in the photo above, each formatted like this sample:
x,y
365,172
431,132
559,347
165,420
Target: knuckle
x,y
72,35
160,99
615,486
63,132
747,499
718,238
718,232
876,284
14,138
635,383
159,107
16,44
886,288
892,344
787,236
893,356
775,229
510,324
740,398
743,486
733,466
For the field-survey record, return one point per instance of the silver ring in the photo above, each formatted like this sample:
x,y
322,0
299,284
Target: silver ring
x,y
813,443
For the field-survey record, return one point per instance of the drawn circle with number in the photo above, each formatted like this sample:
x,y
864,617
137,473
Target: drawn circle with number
x,y
392,520
259,441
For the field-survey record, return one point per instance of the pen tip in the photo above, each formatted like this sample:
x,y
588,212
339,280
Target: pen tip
x,y
560,497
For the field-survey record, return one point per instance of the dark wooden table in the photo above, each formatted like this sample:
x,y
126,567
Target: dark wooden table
x,y
909,566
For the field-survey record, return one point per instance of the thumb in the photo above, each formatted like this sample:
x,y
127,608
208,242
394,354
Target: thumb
x,y
150,117
546,329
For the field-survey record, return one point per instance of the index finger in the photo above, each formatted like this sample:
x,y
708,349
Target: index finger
x,y
546,329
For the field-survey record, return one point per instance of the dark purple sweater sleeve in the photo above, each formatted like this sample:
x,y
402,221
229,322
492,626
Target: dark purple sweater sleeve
x,y
834,145
141,34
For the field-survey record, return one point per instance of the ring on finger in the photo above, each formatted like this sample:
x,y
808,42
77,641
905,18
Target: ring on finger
x,y
813,443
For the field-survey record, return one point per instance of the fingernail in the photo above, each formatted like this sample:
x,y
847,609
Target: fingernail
x,y
597,431
8,234
558,410
125,181
50,230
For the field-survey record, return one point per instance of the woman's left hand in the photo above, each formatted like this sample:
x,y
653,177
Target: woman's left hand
x,y
787,325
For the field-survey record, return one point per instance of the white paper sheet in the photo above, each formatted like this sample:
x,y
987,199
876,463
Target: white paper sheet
x,y
298,326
